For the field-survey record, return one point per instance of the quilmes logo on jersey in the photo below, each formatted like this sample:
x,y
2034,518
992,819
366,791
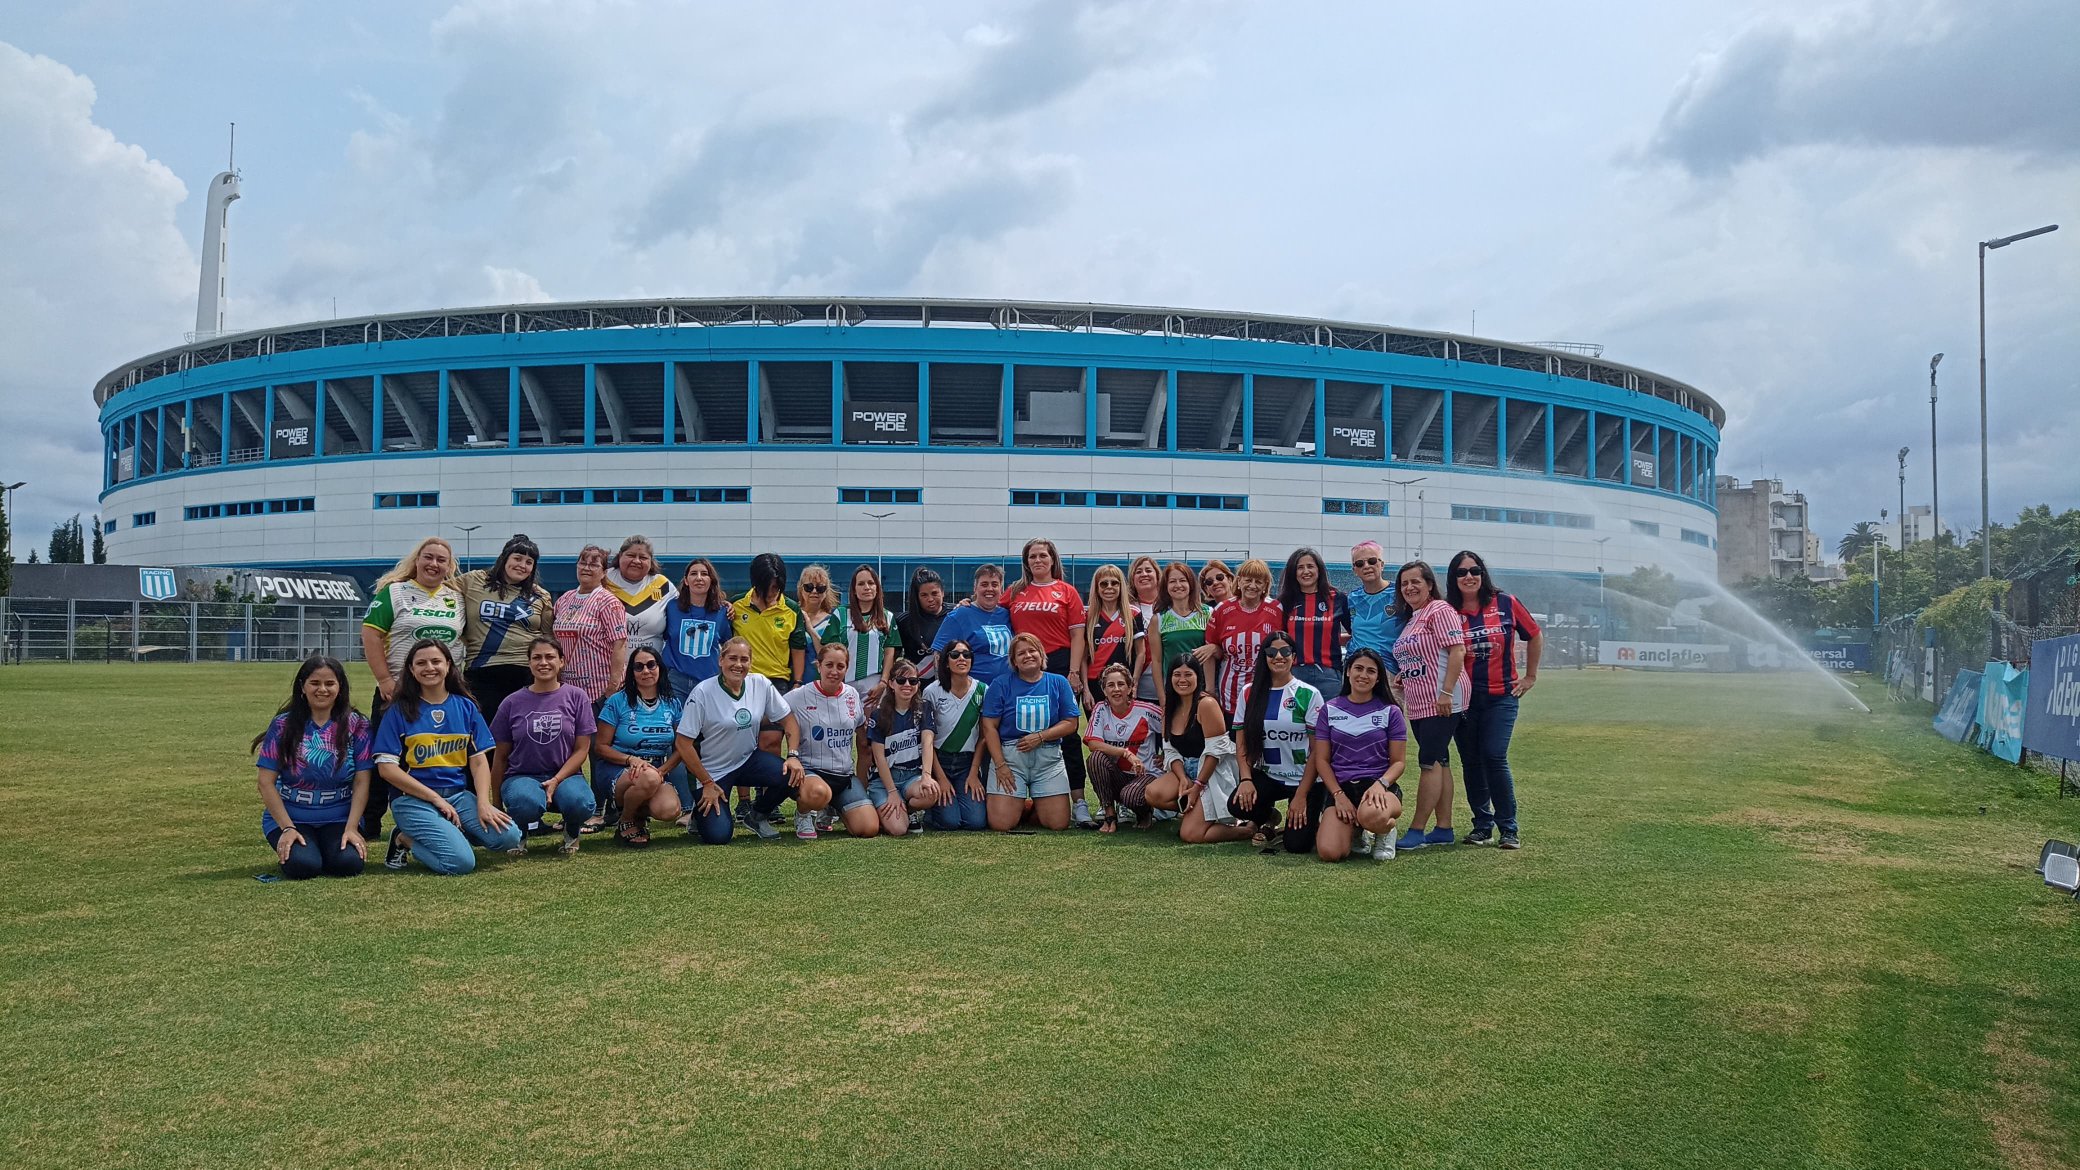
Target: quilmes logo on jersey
x,y
157,584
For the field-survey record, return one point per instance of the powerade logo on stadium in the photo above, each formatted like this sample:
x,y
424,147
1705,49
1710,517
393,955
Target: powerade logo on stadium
x,y
1353,440
870,423
290,441
157,584
300,587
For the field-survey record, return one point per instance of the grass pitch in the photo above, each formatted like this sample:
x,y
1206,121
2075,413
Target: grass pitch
x,y
1748,928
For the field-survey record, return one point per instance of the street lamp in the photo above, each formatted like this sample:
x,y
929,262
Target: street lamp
x,y
1602,614
467,531
1935,503
1404,485
1902,500
1874,569
11,520
1985,525
877,518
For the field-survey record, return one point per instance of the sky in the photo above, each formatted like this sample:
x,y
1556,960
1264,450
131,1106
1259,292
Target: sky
x,y
1777,203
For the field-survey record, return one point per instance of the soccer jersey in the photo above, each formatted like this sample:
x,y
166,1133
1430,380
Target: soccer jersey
x,y
775,632
588,625
1140,730
642,729
1022,708
955,718
1372,621
316,784
693,638
1289,716
1178,634
541,728
1491,643
1359,736
645,601
1048,612
864,647
404,613
436,747
1238,632
727,725
1420,656
1315,622
1114,643
822,631
988,631
499,621
915,631
830,726
901,736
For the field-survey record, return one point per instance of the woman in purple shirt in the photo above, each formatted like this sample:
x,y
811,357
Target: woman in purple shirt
x,y
1353,779
544,736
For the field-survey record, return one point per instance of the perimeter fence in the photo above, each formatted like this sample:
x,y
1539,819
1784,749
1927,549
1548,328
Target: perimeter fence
x,y
40,629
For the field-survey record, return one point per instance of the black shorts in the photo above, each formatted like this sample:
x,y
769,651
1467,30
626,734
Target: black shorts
x,y
1433,735
1353,791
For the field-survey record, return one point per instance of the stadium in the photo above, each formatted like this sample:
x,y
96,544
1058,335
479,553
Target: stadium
x,y
941,432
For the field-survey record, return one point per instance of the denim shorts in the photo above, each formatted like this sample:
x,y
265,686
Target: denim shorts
x,y
1035,775
846,790
906,779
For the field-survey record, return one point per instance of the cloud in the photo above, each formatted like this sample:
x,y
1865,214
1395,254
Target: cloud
x,y
736,163
1046,52
1943,74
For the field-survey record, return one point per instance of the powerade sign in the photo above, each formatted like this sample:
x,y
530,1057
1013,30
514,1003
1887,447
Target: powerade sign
x,y
2051,719
290,440
1645,472
1664,655
298,587
1851,656
1354,439
892,423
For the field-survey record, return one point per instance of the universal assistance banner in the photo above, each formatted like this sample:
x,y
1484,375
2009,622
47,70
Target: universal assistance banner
x,y
1960,706
2003,695
2051,721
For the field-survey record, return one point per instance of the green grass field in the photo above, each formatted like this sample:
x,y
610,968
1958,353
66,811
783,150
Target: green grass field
x,y
1748,928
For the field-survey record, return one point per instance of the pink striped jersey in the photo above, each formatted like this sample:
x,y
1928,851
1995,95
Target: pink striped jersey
x,y
1238,632
587,627
1419,656
1139,729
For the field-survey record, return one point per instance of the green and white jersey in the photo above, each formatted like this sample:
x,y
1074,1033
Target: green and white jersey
x,y
956,719
404,613
865,647
1289,715
1179,634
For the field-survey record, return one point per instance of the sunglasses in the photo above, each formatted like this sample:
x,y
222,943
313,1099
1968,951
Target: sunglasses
x,y
648,666
1366,563
906,681
816,589
1278,651
960,654
1470,571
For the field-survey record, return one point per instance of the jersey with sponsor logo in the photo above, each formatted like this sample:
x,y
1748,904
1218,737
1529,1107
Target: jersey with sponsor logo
x,y
640,728
404,613
775,632
1316,622
1360,736
901,735
1289,717
645,601
830,726
693,638
1115,642
1139,730
987,631
1420,654
540,729
726,725
316,784
498,621
1048,612
1238,632
955,718
435,747
1022,708
1491,642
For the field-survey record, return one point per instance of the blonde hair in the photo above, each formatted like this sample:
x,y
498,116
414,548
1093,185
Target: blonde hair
x,y
1253,569
1090,606
408,568
1134,566
1011,655
814,573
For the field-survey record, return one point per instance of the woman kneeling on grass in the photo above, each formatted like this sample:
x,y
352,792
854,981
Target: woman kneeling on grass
x,y
1198,762
725,714
1041,709
829,712
1277,742
901,791
1354,778
950,740
1123,736
635,752
313,776
544,735
434,749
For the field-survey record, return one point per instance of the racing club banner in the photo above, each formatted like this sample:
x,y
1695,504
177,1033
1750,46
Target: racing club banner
x,y
2051,716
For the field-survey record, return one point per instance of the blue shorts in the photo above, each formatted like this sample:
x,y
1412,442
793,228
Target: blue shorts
x,y
847,792
906,779
1035,775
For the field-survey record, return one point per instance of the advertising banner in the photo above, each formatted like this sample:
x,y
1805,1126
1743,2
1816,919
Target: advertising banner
x,y
2003,695
881,422
1354,438
290,440
2051,720
1645,471
1953,719
1844,656
1665,655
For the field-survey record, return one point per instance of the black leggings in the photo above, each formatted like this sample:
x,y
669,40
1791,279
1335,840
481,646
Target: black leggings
x,y
320,852
1072,745
378,788
491,685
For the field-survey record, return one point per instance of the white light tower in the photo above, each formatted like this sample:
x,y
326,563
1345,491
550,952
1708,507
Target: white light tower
x,y
209,297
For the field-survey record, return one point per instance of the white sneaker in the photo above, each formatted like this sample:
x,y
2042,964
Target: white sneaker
x,y
805,826
1383,846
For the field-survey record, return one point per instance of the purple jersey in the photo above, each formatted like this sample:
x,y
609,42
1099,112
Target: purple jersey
x,y
542,728
1358,735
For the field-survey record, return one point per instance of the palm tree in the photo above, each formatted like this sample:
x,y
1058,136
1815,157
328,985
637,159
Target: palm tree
x,y
1858,541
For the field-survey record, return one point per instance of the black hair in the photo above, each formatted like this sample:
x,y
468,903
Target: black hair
x,y
885,711
296,716
1170,695
1289,592
408,697
1451,578
1259,696
768,575
628,676
495,576
1379,689
918,581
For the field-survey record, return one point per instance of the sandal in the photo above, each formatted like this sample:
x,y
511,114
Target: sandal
x,y
1108,821
633,834
1266,834
593,824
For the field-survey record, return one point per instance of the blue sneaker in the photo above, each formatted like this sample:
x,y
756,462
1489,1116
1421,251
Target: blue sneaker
x,y
1413,839
1440,837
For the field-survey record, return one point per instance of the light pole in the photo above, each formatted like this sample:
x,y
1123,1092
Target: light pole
x,y
877,518
467,531
1404,484
1874,571
1935,503
1985,526
11,519
1602,614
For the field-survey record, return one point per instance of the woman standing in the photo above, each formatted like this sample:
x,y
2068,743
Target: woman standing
x,y
955,698
1238,626
696,624
1112,629
504,608
1216,582
1431,657
313,765
984,625
1040,708
918,628
829,711
543,734
1374,624
902,788
719,739
592,628
1123,738
868,631
819,606
642,591
1198,762
434,747
1494,622
635,751
771,623
1317,616
1145,594
1048,607
416,599
1179,629
1360,745
1277,742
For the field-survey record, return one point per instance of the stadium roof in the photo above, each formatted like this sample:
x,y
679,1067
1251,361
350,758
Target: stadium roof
x,y
914,312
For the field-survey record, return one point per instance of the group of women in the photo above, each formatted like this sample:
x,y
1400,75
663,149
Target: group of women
x,y
1205,696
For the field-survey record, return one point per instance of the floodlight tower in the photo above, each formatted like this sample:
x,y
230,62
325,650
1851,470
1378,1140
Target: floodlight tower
x,y
209,298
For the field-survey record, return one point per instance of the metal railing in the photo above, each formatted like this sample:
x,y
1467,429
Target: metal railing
x,y
37,629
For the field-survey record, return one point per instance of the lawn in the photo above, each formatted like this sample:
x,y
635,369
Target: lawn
x,y
1748,928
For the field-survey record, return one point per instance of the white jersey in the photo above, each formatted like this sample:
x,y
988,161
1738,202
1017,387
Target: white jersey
x,y
955,718
1289,715
830,725
864,648
1140,728
727,725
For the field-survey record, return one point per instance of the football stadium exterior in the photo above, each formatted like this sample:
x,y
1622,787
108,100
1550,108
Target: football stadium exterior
x,y
903,431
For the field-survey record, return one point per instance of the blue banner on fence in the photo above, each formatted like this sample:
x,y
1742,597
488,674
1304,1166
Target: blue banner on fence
x,y
1843,656
2051,723
2003,696
1954,718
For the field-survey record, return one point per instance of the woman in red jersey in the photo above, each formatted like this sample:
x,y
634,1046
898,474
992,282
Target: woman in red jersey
x,y
1046,606
1495,622
1238,627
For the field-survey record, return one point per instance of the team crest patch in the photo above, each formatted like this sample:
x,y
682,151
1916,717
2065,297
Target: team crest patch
x,y
439,716
743,717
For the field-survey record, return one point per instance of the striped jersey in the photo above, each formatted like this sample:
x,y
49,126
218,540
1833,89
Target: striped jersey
x,y
1491,643
1317,622
588,625
1238,632
1140,729
1419,658
955,718
864,647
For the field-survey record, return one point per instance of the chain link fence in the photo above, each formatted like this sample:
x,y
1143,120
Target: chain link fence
x,y
34,629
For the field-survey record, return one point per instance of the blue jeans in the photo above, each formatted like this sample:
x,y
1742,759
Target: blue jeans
x,y
966,812
1483,739
442,847
1326,679
526,800
762,772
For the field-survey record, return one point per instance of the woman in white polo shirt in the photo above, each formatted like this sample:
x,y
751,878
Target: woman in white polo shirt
x,y
718,740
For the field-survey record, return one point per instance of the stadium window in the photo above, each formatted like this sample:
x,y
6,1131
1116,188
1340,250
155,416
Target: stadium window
x,y
1700,539
408,499
880,495
108,526
249,508
1541,519
1646,528
711,495
1333,507
143,519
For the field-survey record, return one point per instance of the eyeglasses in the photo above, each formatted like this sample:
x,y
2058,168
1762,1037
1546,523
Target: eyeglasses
x,y
960,654
1278,651
906,681
816,589
1364,563
1470,571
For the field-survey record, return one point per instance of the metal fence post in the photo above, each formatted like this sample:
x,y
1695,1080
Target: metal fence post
x,y
136,631
194,621
252,651
303,645
71,630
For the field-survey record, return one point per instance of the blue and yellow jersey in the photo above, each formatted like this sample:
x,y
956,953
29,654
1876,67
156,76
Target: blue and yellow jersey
x,y
435,748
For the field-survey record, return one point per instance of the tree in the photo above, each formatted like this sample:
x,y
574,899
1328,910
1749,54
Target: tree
x,y
1857,542
6,550
68,542
32,556
1791,604
1648,583
100,550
